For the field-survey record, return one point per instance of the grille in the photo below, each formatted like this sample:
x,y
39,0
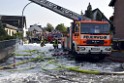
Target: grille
x,y
95,42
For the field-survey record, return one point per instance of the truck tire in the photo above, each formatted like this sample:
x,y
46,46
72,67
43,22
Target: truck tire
x,y
76,56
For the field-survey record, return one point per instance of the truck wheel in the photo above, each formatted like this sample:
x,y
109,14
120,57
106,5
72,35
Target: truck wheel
x,y
76,56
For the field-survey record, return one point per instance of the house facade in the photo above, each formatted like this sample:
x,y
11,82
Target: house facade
x,y
118,17
11,30
35,30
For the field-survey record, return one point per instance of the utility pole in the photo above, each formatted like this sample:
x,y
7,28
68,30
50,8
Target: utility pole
x,y
24,30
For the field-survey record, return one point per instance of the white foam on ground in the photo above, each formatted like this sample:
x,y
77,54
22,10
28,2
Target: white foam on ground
x,y
84,65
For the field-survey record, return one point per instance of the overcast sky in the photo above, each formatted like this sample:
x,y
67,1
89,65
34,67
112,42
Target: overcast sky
x,y
36,14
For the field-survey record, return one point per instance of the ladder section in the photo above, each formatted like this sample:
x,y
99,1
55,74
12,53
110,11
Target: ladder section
x,y
58,9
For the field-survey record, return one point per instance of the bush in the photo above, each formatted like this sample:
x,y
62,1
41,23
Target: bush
x,y
6,37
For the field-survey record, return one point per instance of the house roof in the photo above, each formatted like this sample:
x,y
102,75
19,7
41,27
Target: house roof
x,y
112,3
11,27
102,15
17,21
35,27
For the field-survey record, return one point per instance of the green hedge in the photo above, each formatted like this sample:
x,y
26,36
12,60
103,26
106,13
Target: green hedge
x,y
6,37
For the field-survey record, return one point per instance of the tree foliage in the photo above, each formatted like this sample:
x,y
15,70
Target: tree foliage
x,y
19,35
49,27
61,28
88,12
111,18
2,30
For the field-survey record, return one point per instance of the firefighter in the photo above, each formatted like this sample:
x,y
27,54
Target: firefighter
x,y
55,44
42,43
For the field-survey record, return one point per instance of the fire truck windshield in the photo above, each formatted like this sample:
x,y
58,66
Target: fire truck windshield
x,y
95,28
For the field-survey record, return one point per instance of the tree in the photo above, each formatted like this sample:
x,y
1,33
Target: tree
x,y
111,18
61,28
2,30
49,27
88,12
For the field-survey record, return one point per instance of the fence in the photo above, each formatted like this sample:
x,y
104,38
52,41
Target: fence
x,y
6,48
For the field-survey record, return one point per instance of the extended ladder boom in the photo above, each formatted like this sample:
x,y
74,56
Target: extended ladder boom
x,y
58,9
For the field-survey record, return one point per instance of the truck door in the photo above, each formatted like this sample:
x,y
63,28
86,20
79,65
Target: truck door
x,y
76,33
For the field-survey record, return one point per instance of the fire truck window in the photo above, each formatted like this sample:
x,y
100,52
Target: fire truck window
x,y
95,28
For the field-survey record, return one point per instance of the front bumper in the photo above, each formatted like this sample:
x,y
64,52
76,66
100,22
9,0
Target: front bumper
x,y
94,49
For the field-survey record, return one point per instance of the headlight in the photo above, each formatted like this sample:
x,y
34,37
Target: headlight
x,y
82,48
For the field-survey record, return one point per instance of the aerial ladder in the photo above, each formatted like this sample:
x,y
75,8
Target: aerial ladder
x,y
60,10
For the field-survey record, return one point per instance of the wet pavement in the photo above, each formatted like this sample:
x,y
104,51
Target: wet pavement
x,y
60,77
